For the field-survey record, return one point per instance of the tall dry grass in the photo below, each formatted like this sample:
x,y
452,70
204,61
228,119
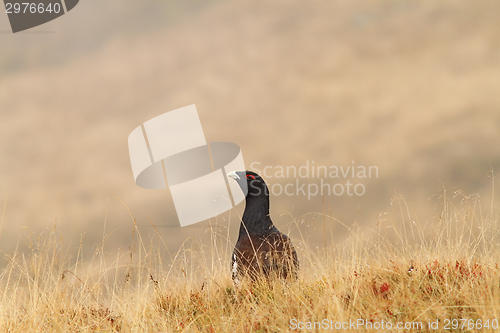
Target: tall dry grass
x,y
403,275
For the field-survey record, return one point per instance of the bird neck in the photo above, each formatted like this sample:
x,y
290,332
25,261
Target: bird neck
x,y
256,217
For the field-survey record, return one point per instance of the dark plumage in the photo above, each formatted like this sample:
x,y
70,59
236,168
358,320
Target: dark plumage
x,y
261,251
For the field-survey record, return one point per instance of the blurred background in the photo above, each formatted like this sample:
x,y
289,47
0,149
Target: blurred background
x,y
411,87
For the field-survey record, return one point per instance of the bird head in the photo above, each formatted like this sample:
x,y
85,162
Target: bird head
x,y
250,183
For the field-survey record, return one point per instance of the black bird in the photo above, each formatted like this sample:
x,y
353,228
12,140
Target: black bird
x,y
262,251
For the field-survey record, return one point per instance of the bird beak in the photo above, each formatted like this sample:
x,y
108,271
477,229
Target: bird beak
x,y
233,175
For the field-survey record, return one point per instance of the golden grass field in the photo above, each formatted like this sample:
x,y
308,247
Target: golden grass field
x,y
445,273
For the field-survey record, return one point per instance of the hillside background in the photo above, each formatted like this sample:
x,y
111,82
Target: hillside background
x,y
412,87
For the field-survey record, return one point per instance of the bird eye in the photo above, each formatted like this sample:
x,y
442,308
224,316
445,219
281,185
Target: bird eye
x,y
250,177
